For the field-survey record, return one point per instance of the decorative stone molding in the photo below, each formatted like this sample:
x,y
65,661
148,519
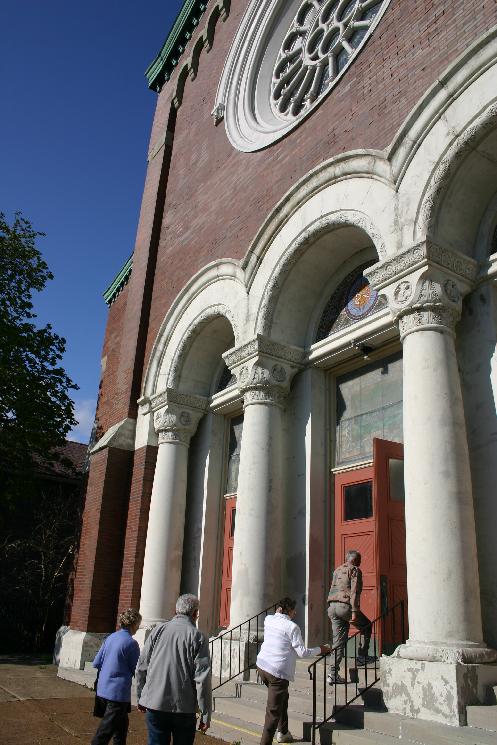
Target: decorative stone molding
x,y
448,165
264,369
120,436
415,257
176,415
424,286
208,315
298,247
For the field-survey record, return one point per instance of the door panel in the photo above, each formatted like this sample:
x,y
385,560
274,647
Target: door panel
x,y
229,540
355,519
389,482
369,517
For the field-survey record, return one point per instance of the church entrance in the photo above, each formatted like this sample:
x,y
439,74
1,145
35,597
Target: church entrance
x,y
369,517
369,481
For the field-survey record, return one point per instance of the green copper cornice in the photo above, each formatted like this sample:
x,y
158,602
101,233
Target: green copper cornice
x,y
163,65
119,282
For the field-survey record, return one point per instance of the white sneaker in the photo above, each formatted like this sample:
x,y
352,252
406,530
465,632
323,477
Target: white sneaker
x,y
287,737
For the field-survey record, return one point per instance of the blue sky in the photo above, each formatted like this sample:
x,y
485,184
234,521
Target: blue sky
x,y
75,121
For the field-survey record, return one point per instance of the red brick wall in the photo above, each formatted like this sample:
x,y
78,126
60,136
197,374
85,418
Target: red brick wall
x,y
136,530
111,362
217,197
98,572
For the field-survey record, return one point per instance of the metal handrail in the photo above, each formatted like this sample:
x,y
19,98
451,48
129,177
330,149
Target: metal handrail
x,y
237,636
378,637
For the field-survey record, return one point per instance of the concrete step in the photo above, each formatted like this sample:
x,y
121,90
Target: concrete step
x,y
362,717
433,733
253,716
82,677
387,729
342,734
484,717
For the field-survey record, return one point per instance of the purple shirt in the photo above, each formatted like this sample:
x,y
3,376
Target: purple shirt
x,y
116,660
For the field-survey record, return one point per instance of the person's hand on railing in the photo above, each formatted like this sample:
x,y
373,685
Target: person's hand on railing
x,y
325,649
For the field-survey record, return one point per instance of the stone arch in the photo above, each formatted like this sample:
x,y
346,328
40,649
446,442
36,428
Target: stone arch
x,y
316,261
444,157
352,193
197,319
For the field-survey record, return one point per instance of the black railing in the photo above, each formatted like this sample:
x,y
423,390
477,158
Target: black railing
x,y
387,632
234,652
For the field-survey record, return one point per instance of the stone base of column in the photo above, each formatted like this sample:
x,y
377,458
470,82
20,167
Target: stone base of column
x,y
469,653
434,691
73,648
228,658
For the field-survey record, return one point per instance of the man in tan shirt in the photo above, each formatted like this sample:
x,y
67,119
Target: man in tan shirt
x,y
344,600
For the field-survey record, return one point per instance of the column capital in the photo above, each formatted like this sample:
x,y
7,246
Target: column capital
x,y
176,415
264,369
424,285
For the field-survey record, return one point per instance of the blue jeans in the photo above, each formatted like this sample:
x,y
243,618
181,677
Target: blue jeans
x,y
162,725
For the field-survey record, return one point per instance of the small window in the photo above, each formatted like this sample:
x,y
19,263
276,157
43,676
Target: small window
x,y
233,521
396,475
358,501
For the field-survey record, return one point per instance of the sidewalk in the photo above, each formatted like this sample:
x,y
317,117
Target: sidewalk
x,y
37,708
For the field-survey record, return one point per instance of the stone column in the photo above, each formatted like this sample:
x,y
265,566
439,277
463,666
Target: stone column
x,y
264,370
176,417
424,286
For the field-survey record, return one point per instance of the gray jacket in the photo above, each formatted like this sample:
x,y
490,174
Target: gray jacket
x,y
174,670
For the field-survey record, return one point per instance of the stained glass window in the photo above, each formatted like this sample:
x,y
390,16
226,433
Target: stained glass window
x,y
353,300
369,405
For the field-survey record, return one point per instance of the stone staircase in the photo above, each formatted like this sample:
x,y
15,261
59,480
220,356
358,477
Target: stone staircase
x,y
239,709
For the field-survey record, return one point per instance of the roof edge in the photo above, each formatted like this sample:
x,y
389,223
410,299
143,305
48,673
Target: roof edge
x,y
120,280
161,69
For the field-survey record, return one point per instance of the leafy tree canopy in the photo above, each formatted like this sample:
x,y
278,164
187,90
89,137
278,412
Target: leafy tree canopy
x,y
36,411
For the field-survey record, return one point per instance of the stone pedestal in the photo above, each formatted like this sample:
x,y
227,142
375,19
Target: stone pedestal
x,y
436,691
424,287
176,418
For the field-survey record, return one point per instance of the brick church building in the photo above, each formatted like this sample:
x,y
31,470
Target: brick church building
x,y
305,335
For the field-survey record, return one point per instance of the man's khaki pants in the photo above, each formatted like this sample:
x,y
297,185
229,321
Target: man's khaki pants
x,y
276,708
340,615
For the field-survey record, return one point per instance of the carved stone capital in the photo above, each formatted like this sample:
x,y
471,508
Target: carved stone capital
x,y
424,286
176,415
264,369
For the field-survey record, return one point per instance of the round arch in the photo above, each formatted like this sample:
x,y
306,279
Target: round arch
x,y
198,327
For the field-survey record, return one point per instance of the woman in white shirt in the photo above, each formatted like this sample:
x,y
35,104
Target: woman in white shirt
x,y
276,667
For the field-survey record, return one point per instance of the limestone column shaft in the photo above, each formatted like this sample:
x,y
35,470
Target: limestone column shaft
x,y
442,567
175,424
264,371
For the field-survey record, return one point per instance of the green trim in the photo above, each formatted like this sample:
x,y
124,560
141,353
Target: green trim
x,y
163,65
118,283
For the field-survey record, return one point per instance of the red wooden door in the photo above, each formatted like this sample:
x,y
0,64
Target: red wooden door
x,y
369,517
229,540
356,528
392,569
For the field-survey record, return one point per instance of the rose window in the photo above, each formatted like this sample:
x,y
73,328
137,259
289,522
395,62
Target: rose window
x,y
285,59
322,41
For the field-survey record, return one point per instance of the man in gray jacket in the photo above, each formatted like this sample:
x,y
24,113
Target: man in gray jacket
x,y
173,678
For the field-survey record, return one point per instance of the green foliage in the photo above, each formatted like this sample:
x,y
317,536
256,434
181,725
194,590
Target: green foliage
x,y
36,412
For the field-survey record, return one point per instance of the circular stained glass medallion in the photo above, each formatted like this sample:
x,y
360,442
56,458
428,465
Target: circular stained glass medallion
x,y
361,299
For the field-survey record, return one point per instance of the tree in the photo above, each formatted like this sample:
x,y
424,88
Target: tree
x,y
36,411
40,491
